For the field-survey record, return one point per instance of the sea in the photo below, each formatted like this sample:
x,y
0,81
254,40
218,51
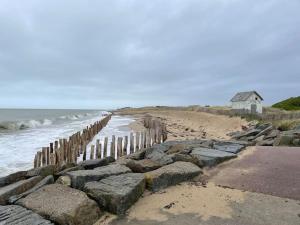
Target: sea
x,y
23,132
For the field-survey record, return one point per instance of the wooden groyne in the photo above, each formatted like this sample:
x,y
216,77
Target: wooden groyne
x,y
77,147
67,150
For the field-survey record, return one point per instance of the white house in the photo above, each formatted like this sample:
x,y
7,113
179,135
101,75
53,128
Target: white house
x,y
249,101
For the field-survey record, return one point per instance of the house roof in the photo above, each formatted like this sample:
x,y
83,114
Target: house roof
x,y
243,96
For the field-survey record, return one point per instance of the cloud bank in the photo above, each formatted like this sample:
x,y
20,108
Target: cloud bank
x,y
105,54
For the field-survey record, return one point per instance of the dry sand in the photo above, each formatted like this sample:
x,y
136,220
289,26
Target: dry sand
x,y
190,204
184,124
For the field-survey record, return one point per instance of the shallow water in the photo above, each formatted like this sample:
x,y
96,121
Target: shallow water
x,y
18,146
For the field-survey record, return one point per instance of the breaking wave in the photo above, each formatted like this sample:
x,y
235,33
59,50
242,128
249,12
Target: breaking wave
x,y
21,125
26,124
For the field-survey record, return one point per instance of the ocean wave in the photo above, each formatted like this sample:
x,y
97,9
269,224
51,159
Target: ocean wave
x,y
22,125
26,124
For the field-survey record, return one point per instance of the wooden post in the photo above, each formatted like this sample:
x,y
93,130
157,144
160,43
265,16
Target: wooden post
x,y
99,152
113,146
142,140
92,152
48,155
84,152
119,147
137,141
125,145
131,147
105,147
39,159
97,149
44,156
35,161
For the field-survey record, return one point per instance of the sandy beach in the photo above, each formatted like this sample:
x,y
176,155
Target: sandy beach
x,y
183,123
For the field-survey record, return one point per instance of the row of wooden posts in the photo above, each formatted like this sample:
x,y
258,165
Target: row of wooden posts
x,y
69,150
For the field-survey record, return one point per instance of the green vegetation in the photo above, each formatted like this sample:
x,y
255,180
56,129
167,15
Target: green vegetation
x,y
289,104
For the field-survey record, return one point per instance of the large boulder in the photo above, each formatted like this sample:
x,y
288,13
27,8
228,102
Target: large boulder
x,y
228,147
65,171
170,175
142,166
211,157
42,171
80,177
12,178
47,180
17,188
137,155
186,158
17,215
62,205
94,163
117,193
158,154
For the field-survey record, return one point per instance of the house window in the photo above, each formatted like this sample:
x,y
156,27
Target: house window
x,y
256,98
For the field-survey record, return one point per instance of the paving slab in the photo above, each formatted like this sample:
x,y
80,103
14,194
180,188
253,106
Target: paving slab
x,y
269,170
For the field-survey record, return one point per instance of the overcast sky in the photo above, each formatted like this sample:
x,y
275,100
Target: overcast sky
x,y
104,54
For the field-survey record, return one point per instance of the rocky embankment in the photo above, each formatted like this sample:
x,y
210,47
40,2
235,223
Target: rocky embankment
x,y
267,135
80,193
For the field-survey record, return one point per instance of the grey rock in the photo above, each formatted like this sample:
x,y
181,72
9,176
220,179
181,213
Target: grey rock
x,y
267,129
17,188
47,180
42,171
80,177
142,166
94,163
158,155
178,157
286,139
272,134
251,132
17,215
64,180
267,142
66,165
62,205
170,175
64,172
228,147
117,193
12,178
137,155
211,157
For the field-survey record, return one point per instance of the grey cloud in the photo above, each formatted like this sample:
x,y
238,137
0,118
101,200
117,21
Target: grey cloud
x,y
95,54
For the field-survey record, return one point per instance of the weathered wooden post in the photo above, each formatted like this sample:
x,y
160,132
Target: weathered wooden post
x,y
44,155
97,148
84,152
48,156
35,161
92,152
142,140
99,152
137,141
125,145
131,147
119,147
105,147
39,159
112,146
